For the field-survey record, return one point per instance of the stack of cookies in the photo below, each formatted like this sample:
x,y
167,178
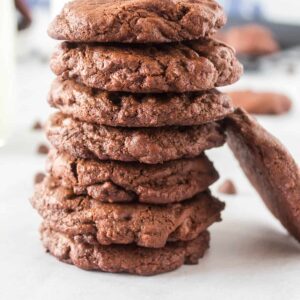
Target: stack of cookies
x,y
128,181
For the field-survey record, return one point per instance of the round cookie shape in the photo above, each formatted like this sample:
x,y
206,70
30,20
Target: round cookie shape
x,y
146,145
123,258
113,181
145,225
137,21
138,110
269,167
180,67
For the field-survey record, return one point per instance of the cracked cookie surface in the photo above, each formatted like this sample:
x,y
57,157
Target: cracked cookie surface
x,y
180,67
146,145
138,21
110,223
269,166
138,110
123,258
112,181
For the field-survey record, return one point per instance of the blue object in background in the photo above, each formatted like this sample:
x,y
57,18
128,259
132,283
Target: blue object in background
x,y
38,3
241,12
248,9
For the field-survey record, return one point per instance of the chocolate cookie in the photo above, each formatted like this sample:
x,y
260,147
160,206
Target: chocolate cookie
x,y
183,67
146,225
250,40
137,21
112,181
147,145
138,110
262,103
123,258
270,168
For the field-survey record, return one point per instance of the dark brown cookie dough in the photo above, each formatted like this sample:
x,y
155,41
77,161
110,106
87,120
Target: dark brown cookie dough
x,y
147,145
138,110
269,166
123,258
138,21
112,181
182,67
146,225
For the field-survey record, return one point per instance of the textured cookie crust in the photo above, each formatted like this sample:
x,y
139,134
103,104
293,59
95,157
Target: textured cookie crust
x,y
145,225
138,110
269,166
123,258
139,21
112,181
182,67
148,145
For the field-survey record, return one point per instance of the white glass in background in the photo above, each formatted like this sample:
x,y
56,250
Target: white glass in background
x,y
56,6
7,66
282,11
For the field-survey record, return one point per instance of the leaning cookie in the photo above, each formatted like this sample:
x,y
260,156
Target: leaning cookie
x,y
123,258
138,110
113,181
181,67
145,225
137,21
146,145
269,166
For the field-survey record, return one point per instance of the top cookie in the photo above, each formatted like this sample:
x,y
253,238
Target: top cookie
x,y
137,21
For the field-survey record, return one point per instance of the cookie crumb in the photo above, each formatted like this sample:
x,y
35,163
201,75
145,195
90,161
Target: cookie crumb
x,y
43,149
37,126
39,177
228,188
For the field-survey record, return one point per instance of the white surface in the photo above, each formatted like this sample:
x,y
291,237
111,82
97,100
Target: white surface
x,y
251,256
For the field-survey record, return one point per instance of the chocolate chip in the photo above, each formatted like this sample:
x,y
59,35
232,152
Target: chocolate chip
x,y
43,149
228,188
39,177
37,126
